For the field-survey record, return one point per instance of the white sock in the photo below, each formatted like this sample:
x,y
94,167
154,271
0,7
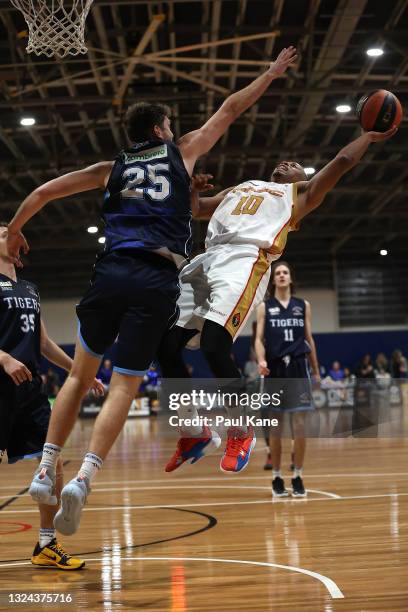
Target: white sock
x,y
297,472
46,535
276,473
50,455
90,466
189,412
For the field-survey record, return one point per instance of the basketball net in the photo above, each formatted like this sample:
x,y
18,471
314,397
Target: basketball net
x,y
55,27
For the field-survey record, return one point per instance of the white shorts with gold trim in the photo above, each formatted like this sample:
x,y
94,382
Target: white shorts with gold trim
x,y
223,285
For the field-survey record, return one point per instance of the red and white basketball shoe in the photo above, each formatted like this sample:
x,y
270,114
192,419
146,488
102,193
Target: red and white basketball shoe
x,y
238,449
192,449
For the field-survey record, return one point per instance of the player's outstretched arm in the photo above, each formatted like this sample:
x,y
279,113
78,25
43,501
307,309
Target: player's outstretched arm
x,y
203,208
311,193
200,141
92,177
58,357
259,340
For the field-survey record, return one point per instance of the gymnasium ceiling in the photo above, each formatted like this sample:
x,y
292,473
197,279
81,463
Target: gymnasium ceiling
x,y
133,55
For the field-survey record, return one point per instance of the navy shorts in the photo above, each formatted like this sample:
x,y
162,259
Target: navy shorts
x,y
290,377
132,299
24,416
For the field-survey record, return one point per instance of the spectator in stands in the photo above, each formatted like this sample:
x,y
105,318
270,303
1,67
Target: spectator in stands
x,y
336,372
381,363
399,365
365,368
52,383
349,378
105,372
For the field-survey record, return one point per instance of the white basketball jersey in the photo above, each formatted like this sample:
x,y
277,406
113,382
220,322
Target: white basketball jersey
x,y
254,212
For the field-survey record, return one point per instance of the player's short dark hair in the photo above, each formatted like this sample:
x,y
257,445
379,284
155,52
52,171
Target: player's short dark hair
x,y
278,263
141,118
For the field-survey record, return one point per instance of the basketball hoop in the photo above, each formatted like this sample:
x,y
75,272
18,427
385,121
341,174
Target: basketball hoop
x,y
55,27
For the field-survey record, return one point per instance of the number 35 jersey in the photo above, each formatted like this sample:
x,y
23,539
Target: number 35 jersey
x,y
255,212
147,200
20,321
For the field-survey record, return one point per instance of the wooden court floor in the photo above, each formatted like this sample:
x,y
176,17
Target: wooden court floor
x,y
199,540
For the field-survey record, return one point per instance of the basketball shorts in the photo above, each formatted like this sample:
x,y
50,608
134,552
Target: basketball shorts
x,y
223,285
24,417
290,377
132,299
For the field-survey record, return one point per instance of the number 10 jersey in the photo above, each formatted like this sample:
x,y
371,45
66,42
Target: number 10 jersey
x,y
20,321
255,212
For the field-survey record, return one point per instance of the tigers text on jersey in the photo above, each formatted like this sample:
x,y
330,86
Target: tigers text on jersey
x,y
255,212
147,200
285,328
20,321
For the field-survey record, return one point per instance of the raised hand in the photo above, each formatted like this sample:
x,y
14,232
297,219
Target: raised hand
x,y
16,242
199,182
379,136
286,59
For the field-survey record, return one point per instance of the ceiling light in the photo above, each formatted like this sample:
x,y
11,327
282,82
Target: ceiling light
x,y
101,240
26,121
92,229
343,108
383,252
309,170
375,52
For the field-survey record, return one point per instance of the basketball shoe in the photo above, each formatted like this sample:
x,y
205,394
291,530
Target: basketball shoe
x,y
194,448
42,488
298,490
73,499
238,449
53,555
278,487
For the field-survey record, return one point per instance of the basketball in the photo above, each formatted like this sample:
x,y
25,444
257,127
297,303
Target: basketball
x,y
379,111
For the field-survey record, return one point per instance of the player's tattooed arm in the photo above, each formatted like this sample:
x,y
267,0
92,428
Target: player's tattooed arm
x,y
58,357
14,368
259,341
92,177
200,141
312,193
314,363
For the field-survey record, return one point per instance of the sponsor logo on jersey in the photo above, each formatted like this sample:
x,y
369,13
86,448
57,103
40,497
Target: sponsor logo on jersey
x,y
297,311
217,311
6,285
236,319
274,311
149,154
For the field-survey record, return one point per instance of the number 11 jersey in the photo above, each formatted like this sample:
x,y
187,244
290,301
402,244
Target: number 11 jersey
x,y
20,321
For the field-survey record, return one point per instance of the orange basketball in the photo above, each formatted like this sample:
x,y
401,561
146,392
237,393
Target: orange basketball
x,y
379,111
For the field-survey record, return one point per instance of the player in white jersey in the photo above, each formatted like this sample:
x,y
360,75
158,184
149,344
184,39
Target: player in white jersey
x,y
221,287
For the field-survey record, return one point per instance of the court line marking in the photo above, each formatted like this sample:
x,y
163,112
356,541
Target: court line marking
x,y
232,503
185,487
242,477
330,585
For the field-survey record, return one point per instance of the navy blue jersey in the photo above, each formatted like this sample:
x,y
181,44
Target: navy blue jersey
x,y
20,321
285,329
147,200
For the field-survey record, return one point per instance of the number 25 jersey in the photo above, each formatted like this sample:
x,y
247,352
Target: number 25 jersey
x,y
20,321
255,212
147,200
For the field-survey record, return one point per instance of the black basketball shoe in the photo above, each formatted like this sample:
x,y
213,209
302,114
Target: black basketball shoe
x,y
278,487
298,490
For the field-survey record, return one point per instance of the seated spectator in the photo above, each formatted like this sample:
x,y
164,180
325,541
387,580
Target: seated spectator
x,y
105,372
381,363
349,378
399,365
336,372
365,368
